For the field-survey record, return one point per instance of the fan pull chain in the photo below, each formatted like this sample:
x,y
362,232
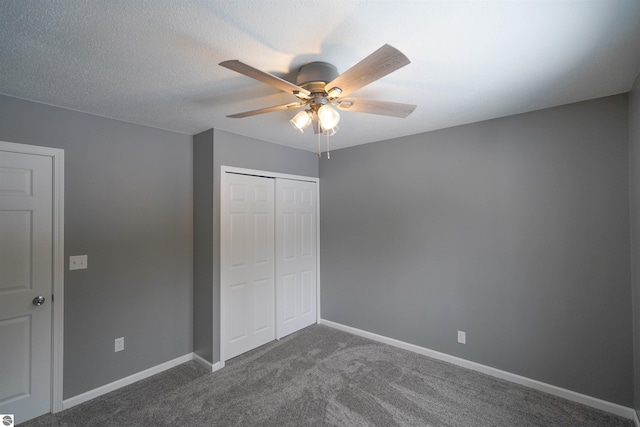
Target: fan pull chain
x,y
319,153
328,152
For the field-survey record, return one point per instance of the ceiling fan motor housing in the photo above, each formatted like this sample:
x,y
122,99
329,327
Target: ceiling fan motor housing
x,y
315,75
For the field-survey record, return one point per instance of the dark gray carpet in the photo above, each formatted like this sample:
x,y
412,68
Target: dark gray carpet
x,y
322,376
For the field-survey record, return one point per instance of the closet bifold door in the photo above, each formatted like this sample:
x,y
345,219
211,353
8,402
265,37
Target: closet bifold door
x,y
295,258
247,286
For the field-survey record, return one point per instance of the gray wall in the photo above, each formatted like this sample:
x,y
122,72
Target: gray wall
x,y
203,244
239,151
128,205
515,230
634,161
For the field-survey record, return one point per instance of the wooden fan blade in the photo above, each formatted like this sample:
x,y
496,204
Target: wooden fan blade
x,y
267,110
263,77
375,66
382,108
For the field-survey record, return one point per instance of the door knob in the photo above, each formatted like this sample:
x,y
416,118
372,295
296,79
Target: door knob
x,y
39,300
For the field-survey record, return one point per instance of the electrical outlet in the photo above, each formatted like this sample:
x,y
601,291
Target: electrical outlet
x,y
119,344
78,262
462,337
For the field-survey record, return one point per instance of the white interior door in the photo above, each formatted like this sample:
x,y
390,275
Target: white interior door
x,y
296,247
26,272
247,263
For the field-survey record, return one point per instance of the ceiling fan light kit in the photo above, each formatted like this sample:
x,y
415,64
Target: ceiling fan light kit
x,y
328,117
301,120
319,88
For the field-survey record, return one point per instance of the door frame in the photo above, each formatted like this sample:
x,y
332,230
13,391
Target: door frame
x,y
224,170
57,310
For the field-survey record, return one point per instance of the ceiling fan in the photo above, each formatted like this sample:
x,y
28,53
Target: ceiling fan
x,y
319,87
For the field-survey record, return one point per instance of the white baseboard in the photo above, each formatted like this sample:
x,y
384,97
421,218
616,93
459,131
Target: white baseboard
x,y
594,402
208,365
92,394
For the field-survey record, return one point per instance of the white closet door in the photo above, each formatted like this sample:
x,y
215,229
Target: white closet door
x,y
296,213
247,231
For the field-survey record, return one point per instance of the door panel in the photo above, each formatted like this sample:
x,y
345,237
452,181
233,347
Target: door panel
x,y
263,242
308,292
15,252
237,315
308,231
26,271
289,297
262,312
247,260
237,227
296,247
16,331
288,235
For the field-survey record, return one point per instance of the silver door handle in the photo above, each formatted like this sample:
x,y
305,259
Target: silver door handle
x,y
39,300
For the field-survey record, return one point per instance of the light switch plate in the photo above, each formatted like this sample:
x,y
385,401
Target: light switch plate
x,y
78,262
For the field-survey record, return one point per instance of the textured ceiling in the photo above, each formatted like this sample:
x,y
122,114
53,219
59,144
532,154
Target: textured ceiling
x,y
155,62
